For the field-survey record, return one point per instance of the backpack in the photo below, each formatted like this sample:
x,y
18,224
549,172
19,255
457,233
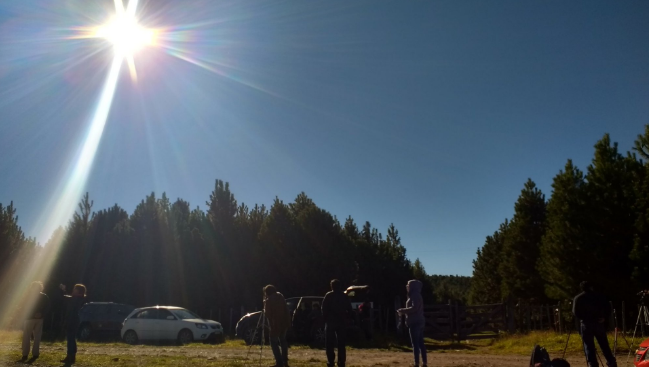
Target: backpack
x,y
541,358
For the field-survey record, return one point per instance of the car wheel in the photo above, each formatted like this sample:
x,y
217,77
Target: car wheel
x,y
84,332
319,335
185,336
250,334
130,337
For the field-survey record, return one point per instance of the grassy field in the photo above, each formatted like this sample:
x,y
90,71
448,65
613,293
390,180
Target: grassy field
x,y
115,353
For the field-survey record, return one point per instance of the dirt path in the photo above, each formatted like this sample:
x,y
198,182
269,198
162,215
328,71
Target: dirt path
x,y
360,358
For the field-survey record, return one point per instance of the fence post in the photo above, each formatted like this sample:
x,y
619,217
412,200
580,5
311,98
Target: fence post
x,y
458,323
230,325
611,317
541,317
511,324
387,320
641,321
528,317
623,318
380,317
560,318
451,320
547,309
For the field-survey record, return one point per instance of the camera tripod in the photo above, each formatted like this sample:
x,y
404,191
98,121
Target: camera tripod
x,y
261,323
643,320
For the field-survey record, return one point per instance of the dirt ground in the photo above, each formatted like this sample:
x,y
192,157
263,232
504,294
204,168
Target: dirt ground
x,y
356,357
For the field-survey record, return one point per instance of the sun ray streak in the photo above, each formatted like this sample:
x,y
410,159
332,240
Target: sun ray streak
x,y
72,191
119,7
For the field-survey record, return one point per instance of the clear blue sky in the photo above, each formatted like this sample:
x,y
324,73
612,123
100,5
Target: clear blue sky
x,y
427,114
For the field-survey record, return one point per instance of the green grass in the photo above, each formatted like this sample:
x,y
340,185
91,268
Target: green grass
x,y
96,360
515,344
555,343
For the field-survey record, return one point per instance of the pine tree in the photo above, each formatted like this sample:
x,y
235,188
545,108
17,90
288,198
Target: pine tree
x,y
520,278
486,284
611,217
565,259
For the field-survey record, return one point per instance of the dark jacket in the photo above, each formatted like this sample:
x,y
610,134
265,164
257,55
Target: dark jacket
x,y
277,313
590,307
414,310
73,306
39,306
336,308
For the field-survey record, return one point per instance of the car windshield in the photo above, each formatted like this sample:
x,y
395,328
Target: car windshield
x,y
185,314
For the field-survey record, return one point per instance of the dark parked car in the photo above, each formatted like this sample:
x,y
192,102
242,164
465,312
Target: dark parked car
x,y
307,324
102,319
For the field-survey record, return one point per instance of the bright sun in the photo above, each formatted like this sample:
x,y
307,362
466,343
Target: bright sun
x,y
124,32
126,35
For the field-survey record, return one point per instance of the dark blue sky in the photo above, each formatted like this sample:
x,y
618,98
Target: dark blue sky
x,y
427,114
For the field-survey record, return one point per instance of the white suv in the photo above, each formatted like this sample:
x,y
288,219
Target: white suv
x,y
169,323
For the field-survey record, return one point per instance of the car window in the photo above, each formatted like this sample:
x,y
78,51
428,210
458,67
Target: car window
x,y
292,304
185,314
163,314
121,310
149,314
102,309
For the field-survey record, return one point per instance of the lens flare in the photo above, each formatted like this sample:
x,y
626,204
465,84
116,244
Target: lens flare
x,y
127,37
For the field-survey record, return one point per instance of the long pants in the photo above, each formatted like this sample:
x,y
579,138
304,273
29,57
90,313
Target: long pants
x,y
71,336
32,326
336,336
281,356
597,331
418,346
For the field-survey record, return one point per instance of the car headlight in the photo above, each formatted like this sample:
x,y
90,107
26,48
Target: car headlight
x,y
201,326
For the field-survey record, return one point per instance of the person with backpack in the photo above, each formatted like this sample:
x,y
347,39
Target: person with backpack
x,y
414,312
592,309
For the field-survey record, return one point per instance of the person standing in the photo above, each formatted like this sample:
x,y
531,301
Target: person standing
x,y
38,305
74,302
279,319
336,310
592,309
414,312
365,310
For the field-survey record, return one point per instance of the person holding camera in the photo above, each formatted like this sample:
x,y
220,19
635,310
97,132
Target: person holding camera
x,y
592,309
38,305
279,319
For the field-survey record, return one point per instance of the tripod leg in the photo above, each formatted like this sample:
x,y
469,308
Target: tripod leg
x,y
254,335
638,321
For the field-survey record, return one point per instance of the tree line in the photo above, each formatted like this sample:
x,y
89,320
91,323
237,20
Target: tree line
x,y
170,253
594,226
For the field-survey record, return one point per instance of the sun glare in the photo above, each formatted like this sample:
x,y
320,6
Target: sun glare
x,y
126,35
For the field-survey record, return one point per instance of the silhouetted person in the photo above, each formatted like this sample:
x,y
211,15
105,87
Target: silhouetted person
x,y
415,320
279,319
592,309
38,305
365,310
336,310
74,302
